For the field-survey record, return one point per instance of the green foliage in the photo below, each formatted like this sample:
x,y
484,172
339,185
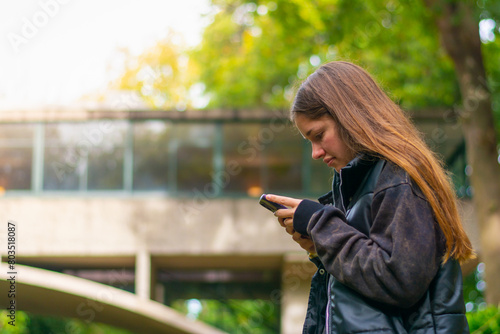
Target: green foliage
x,y
21,323
402,52
491,55
473,289
27,323
483,319
486,321
250,55
162,75
235,316
254,53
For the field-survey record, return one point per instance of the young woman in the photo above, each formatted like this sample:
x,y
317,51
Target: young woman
x,y
387,239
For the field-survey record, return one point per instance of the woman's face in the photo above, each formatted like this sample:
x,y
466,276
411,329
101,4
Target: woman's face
x,y
325,140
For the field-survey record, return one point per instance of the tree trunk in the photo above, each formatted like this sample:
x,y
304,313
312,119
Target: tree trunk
x,y
459,33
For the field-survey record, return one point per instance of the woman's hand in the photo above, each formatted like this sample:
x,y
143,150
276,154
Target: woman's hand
x,y
285,218
305,242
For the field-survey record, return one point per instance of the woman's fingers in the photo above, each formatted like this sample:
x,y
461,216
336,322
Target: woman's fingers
x,y
288,201
304,242
284,213
288,224
285,216
297,237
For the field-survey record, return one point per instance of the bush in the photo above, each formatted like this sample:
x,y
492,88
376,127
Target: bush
x,y
27,323
486,321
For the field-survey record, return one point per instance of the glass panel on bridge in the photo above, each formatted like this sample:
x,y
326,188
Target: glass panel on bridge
x,y
16,151
153,140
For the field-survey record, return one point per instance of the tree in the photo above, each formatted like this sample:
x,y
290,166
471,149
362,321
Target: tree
x,y
253,54
458,28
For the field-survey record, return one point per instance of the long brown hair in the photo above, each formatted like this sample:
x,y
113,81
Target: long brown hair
x,y
369,121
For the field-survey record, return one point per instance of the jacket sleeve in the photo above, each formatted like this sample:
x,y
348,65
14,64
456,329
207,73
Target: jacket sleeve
x,y
399,259
303,214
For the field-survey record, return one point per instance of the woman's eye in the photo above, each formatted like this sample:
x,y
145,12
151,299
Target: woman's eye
x,y
319,136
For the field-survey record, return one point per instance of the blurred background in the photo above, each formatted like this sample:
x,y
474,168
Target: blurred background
x,y
137,136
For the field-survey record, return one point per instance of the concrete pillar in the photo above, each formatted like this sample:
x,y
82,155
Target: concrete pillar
x,y
143,273
296,282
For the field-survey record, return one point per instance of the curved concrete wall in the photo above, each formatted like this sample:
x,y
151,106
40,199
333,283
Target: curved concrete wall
x,y
45,292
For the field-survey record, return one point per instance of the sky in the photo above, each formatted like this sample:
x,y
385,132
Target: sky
x,y
52,52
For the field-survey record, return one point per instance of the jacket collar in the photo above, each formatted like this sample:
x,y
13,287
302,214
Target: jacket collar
x,y
348,180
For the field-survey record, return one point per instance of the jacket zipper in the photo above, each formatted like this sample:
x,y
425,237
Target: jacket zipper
x,y
340,193
327,318
328,291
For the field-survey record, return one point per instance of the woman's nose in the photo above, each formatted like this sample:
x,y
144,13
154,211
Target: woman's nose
x,y
317,152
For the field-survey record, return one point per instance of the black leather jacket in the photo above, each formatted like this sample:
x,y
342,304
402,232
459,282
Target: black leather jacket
x,y
379,254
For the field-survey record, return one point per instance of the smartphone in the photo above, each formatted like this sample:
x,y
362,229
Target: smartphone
x,y
271,206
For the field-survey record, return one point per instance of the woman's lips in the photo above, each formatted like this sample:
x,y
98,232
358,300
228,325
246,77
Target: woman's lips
x,y
329,161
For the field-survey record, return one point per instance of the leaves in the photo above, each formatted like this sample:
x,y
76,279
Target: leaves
x,y
236,316
254,53
486,321
163,75
253,58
